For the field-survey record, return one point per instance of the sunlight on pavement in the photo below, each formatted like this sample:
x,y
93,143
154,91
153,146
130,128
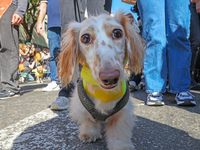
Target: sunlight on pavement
x,y
175,117
10,133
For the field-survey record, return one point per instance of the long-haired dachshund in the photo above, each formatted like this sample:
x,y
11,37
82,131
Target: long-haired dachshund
x,y
102,45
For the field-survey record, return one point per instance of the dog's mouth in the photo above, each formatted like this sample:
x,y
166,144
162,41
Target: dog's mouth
x,y
108,86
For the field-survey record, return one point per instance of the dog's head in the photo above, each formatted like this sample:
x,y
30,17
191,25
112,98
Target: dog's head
x,y
40,69
103,44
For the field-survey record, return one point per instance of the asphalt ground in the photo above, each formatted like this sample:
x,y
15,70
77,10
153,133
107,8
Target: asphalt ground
x,y
27,123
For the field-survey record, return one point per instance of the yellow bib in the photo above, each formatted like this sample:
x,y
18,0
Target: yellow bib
x,y
102,95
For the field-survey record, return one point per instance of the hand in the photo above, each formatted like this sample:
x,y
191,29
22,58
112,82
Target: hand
x,y
16,19
40,28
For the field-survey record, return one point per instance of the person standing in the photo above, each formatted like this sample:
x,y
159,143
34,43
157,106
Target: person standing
x,y
51,7
76,10
10,19
194,40
166,29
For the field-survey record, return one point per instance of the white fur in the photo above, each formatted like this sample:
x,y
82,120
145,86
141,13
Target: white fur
x,y
103,53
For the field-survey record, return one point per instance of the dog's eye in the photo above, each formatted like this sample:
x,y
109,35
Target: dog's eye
x,y
117,33
86,38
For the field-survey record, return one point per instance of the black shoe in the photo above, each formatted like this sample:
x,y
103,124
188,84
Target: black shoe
x,y
7,94
194,85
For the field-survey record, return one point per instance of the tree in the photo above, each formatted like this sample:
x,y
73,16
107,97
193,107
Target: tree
x,y
30,19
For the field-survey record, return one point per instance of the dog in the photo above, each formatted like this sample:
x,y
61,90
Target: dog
x,y
39,72
102,45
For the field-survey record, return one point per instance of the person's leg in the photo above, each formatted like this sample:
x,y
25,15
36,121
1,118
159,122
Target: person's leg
x,y
95,7
178,46
75,11
54,47
9,53
30,77
155,65
194,42
178,50
62,100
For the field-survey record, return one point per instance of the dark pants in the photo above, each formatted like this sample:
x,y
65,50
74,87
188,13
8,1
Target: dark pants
x,y
194,34
9,52
73,10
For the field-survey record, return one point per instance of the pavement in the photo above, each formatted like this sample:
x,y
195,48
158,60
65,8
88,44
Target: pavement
x,y
27,123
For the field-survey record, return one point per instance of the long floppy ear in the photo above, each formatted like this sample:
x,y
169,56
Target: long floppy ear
x,y
135,45
68,58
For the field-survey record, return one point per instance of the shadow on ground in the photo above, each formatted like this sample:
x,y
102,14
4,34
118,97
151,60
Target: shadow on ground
x,y
61,133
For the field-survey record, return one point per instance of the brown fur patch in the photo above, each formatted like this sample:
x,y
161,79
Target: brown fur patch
x,y
96,44
67,57
103,43
115,120
110,46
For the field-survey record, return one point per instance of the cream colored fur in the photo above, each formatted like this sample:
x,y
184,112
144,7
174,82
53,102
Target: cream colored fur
x,y
104,52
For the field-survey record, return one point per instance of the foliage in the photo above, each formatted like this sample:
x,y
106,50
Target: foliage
x,y
30,19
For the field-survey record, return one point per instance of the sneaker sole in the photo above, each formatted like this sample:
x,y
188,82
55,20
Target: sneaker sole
x,y
185,103
49,90
155,104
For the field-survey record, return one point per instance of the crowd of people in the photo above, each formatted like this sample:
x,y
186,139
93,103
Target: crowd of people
x,y
30,58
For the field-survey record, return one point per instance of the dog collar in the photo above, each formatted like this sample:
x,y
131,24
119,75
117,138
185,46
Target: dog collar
x,y
100,94
90,107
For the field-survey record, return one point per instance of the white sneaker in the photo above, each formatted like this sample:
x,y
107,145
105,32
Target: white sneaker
x,y
155,99
132,85
185,99
61,103
53,86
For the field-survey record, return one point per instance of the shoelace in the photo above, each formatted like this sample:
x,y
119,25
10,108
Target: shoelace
x,y
184,94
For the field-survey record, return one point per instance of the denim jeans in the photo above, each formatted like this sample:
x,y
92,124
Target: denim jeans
x,y
53,35
166,25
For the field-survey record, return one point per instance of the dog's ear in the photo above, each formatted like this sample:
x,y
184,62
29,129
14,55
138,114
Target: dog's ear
x,y
68,57
135,45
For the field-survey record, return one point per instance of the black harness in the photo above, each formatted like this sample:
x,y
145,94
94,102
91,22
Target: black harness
x,y
90,107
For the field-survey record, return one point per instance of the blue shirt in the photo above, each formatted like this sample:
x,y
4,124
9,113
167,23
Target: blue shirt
x,y
53,13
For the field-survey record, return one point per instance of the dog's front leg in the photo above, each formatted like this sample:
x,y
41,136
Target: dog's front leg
x,y
89,131
119,131
41,79
38,79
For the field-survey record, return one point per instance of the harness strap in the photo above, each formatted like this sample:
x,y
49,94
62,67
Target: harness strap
x,y
90,107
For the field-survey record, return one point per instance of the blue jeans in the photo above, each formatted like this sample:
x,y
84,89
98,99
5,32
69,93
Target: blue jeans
x,y
53,35
166,30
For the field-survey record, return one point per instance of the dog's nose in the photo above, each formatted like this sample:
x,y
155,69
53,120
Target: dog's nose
x,y
109,77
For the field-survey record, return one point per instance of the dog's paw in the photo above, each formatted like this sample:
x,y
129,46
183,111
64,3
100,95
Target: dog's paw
x,y
88,138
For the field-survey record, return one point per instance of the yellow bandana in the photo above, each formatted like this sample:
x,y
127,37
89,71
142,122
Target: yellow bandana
x,y
102,95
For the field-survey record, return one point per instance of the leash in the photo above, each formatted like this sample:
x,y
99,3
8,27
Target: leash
x,y
90,107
